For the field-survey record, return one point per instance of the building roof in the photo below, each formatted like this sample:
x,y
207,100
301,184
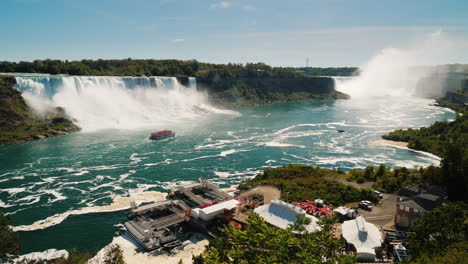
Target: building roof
x,y
423,189
229,205
282,215
364,236
411,204
421,197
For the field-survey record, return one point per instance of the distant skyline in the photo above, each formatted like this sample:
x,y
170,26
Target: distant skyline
x,y
280,33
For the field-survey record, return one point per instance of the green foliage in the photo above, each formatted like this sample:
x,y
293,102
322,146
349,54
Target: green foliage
x,y
433,139
448,140
399,178
457,253
262,243
9,247
18,124
125,67
308,183
437,232
330,71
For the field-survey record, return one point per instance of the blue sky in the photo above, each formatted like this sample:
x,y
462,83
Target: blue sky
x,y
280,33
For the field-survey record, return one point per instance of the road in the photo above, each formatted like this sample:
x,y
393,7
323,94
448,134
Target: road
x,y
382,214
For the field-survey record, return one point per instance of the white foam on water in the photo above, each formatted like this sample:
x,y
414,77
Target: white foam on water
x,y
32,199
14,191
119,203
83,172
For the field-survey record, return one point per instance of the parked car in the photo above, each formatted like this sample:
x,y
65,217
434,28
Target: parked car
x,y
366,205
379,194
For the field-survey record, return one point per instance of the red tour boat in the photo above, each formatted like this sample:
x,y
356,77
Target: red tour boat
x,y
162,135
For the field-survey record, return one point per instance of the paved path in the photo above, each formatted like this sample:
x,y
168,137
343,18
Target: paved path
x,y
268,192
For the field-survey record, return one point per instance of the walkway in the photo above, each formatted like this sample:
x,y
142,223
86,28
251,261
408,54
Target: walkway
x,y
268,192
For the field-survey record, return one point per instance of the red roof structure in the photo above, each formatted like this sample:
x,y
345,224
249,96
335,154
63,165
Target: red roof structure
x,y
162,132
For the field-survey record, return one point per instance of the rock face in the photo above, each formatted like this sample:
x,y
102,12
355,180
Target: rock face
x,y
264,90
17,123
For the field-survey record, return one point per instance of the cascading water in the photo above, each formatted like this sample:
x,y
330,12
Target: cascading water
x,y
115,102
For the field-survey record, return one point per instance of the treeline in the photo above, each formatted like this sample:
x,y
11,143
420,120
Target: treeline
x,y
261,243
209,72
125,67
303,183
392,180
447,140
134,67
330,71
441,236
437,137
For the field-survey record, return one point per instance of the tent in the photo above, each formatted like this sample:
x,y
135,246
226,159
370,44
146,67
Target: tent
x,y
282,214
364,236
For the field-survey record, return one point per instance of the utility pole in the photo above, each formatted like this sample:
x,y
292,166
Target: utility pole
x,y
307,62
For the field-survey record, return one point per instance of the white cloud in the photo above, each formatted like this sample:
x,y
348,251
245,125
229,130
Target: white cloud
x,y
178,40
223,4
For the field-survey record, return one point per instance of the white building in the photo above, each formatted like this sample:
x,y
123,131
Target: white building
x,y
364,237
282,215
210,212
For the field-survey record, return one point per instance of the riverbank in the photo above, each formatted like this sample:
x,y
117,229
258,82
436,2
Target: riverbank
x,y
385,142
133,253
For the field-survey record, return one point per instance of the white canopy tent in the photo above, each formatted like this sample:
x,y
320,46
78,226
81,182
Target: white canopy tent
x,y
282,214
364,236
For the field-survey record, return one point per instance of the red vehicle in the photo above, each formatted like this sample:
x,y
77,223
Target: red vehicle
x,y
162,135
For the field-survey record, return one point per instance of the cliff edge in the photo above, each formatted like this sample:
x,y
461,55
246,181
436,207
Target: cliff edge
x,y
17,122
244,91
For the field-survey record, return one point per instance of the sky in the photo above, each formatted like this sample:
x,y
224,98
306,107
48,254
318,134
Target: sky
x,y
280,33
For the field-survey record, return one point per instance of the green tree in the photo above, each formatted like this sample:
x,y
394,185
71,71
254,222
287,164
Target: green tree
x,y
438,230
262,243
9,247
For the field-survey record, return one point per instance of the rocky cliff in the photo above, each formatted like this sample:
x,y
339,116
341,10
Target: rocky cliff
x,y
232,91
17,122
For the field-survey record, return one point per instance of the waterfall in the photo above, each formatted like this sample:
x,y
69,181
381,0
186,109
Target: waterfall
x,y
114,102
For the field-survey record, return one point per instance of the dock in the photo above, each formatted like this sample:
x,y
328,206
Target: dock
x,y
149,223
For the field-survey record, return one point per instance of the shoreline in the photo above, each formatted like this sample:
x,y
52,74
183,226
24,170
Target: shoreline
x,y
133,253
402,145
391,143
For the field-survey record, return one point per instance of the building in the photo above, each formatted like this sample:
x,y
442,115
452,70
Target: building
x,y
282,215
203,217
362,237
415,201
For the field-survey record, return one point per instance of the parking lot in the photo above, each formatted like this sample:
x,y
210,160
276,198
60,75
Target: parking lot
x,y
382,214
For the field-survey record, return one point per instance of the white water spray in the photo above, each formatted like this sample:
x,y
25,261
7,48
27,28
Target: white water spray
x,y
399,72
115,102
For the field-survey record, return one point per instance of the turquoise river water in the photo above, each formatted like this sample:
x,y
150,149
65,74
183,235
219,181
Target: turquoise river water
x,y
43,178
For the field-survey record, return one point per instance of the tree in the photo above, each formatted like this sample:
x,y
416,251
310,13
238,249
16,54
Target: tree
x,y
114,255
438,230
380,171
263,243
9,247
369,173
